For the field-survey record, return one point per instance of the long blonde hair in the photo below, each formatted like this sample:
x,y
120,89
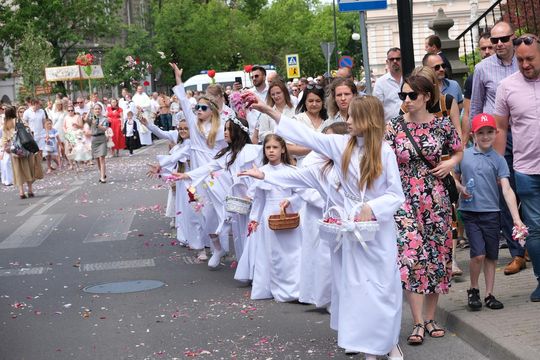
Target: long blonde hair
x,y
367,113
216,122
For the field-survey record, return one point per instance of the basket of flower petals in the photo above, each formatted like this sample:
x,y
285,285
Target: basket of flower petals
x,y
331,222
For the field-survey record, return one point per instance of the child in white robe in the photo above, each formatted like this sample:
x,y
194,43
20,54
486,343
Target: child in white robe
x,y
370,293
277,253
239,155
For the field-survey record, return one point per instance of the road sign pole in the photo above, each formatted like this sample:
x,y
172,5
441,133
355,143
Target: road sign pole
x,y
328,58
365,55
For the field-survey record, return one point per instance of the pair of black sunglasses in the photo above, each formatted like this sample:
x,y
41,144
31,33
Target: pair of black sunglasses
x,y
201,107
527,40
439,66
413,95
503,39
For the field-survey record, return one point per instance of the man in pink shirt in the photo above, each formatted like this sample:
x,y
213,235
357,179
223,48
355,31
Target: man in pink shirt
x,y
518,104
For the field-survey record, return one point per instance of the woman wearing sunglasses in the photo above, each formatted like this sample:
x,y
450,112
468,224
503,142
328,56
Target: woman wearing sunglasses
x,y
424,221
207,136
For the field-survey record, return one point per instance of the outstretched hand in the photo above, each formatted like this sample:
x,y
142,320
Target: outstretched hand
x,y
153,171
177,73
180,176
254,172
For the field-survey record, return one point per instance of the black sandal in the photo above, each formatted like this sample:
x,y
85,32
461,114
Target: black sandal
x,y
434,328
416,338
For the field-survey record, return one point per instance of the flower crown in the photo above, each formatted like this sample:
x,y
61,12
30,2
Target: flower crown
x,y
238,122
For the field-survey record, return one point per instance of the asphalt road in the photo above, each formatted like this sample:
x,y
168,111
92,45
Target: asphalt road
x,y
77,233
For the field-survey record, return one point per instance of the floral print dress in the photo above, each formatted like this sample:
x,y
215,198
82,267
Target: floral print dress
x,y
424,221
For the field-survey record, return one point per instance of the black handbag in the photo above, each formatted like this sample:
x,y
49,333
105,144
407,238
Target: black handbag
x,y
26,140
448,181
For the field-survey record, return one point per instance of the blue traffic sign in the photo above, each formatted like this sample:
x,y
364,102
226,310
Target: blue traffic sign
x,y
361,5
345,61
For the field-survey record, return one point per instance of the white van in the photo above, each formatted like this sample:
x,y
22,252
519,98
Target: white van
x,y
200,82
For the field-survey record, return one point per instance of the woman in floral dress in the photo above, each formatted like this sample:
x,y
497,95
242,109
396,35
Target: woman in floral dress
x,y
424,221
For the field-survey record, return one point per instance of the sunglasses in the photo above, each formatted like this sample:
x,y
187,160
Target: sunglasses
x,y
314,86
201,107
439,67
503,39
255,76
71,109
527,40
392,59
413,95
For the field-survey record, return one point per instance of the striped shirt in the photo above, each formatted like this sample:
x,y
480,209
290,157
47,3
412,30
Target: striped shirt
x,y
487,76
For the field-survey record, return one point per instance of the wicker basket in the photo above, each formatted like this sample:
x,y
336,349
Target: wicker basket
x,y
237,204
284,221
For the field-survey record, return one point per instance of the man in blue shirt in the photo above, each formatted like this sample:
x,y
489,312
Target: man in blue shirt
x,y
447,86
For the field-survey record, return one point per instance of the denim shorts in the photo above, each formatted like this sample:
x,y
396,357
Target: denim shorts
x,y
483,230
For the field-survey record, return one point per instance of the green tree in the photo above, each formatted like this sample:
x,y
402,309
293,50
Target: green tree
x,y
32,55
63,23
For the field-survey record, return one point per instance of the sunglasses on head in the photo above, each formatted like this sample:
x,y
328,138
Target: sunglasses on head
x,y
201,107
439,66
527,40
394,59
312,86
503,39
413,95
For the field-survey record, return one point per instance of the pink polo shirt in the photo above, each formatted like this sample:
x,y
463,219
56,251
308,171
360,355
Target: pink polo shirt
x,y
519,98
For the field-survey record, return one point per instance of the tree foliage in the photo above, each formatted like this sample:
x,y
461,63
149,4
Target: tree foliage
x,y
63,23
32,55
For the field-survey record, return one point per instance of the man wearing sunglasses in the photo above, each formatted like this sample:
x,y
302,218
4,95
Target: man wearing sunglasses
x,y
433,46
517,99
488,74
446,86
387,86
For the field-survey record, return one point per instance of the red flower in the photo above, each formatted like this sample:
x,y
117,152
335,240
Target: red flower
x,y
146,83
212,73
248,68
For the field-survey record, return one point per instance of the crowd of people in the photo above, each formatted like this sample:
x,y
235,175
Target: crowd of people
x,y
338,198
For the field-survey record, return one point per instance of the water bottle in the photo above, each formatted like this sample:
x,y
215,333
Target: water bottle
x,y
470,189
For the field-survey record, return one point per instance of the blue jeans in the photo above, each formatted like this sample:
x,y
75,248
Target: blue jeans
x,y
528,189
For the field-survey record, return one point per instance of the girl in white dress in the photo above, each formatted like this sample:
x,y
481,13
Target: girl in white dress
x,y
177,160
277,253
239,155
370,293
206,132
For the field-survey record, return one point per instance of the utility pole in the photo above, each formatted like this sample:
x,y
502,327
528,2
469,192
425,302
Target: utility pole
x,y
404,9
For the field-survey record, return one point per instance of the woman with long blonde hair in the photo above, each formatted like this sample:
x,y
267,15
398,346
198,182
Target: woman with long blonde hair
x,y
206,130
372,187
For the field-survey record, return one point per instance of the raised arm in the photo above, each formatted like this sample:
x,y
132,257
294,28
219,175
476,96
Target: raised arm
x,y
171,135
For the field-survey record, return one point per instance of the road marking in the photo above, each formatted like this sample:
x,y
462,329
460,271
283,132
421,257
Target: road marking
x,y
111,227
190,260
33,232
24,271
57,200
116,265
30,208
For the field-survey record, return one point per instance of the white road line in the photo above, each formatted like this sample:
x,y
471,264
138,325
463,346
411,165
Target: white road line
x,y
24,271
116,265
33,232
32,207
57,200
111,227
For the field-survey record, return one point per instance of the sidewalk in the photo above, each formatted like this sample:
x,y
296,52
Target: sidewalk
x,y
510,333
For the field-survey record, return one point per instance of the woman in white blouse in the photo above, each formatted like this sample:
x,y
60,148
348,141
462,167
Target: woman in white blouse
x,y
279,99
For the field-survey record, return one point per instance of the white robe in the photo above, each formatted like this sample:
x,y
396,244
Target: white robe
x,y
245,159
213,211
370,294
328,186
277,253
143,101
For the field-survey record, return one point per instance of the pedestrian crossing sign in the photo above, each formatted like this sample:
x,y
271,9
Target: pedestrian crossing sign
x,y
293,66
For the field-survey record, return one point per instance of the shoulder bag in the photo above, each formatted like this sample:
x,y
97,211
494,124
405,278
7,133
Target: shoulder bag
x,y
26,140
448,180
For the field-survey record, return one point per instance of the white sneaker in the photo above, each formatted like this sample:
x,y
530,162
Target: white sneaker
x,y
216,258
202,255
